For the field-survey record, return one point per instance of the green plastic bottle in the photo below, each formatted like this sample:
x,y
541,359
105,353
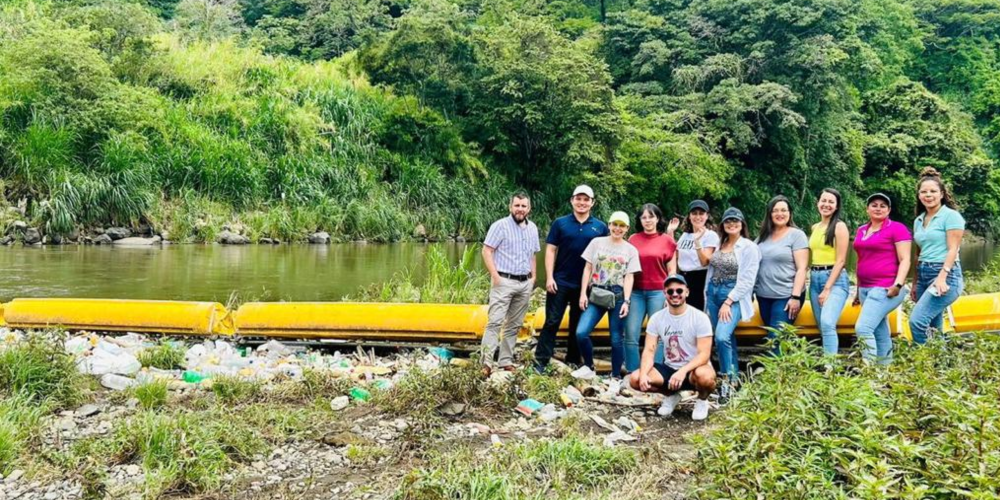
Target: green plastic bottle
x,y
192,377
360,394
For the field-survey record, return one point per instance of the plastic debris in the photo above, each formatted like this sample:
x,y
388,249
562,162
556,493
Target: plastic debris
x,y
108,358
528,407
360,394
496,440
117,382
442,353
339,403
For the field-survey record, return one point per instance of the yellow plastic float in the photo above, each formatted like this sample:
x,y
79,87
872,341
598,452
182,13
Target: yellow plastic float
x,y
362,321
155,316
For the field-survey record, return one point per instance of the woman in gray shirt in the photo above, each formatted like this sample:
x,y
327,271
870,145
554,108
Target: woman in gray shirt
x,y
781,279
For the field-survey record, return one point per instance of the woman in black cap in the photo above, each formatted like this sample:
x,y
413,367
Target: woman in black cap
x,y
694,251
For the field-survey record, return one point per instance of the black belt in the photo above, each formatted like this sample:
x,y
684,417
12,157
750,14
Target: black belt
x,y
515,277
821,268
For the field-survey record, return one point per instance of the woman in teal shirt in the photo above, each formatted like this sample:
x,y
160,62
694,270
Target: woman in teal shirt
x,y
937,232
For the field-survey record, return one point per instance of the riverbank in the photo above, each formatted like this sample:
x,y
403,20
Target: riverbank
x,y
401,424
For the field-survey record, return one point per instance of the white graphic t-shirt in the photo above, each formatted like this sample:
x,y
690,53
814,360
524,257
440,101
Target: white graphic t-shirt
x,y
679,334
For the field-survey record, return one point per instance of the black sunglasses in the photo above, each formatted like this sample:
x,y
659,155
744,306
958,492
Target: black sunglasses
x,y
675,291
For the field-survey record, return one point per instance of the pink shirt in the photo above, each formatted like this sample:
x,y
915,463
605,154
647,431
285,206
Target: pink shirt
x,y
877,259
655,252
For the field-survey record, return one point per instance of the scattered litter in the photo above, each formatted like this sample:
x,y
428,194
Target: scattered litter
x,y
616,437
360,394
528,407
628,424
497,443
603,423
442,353
584,373
339,403
460,362
117,382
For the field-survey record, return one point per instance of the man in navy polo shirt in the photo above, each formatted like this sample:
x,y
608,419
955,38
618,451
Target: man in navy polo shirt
x,y
567,239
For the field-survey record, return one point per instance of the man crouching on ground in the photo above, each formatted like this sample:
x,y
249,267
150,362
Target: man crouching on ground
x,y
686,336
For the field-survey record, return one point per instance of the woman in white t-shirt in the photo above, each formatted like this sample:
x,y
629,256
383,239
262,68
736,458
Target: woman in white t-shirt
x,y
694,251
611,265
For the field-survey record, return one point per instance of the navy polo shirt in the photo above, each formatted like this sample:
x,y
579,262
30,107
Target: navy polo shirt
x,y
572,238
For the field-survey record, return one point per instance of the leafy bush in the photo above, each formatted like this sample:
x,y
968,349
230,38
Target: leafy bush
x,y
165,356
923,427
40,370
444,283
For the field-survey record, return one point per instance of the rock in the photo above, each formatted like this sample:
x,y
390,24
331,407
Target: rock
x,y
265,241
157,239
117,233
460,239
145,230
102,239
320,238
133,470
165,235
420,231
452,409
66,424
135,241
14,476
343,438
6,240
56,239
98,230
20,226
73,235
231,238
88,410
32,236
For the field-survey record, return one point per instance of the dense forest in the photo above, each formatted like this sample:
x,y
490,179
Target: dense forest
x,y
388,119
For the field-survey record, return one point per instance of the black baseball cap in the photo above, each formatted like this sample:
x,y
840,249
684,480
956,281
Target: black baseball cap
x,y
675,278
697,204
733,213
879,196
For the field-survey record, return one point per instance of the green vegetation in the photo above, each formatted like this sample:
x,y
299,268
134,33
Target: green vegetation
x,y
421,393
236,390
569,467
986,280
151,395
461,283
262,114
166,356
923,427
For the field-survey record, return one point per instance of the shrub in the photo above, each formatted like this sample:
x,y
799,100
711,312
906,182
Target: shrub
x,y
923,427
39,370
165,356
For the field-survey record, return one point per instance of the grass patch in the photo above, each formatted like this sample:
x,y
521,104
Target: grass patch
x,y
19,420
178,452
38,369
570,467
151,395
420,393
986,280
165,356
462,283
545,388
315,385
366,455
232,390
924,427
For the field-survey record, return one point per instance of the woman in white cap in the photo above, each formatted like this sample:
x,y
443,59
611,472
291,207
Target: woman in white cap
x,y
607,286
695,247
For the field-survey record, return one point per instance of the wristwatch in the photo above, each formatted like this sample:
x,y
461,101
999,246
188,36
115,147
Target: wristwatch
x,y
898,285
628,301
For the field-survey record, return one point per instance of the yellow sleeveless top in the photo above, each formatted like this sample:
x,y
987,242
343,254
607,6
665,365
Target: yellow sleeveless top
x,y
822,254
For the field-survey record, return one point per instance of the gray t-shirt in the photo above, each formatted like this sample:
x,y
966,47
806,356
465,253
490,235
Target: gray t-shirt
x,y
776,275
611,262
678,335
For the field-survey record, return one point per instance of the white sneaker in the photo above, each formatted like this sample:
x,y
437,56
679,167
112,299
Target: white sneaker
x,y
669,403
583,373
614,386
700,409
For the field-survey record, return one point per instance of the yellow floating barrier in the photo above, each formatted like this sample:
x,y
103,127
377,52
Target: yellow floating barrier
x,y
2,322
974,313
153,316
805,324
362,321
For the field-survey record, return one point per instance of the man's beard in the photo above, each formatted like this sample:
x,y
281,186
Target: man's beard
x,y
519,218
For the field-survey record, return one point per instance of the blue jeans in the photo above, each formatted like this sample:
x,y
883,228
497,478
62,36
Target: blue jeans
x,y
872,327
591,316
644,303
725,340
774,315
827,316
929,311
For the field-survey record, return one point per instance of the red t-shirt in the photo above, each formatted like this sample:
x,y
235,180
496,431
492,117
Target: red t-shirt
x,y
655,252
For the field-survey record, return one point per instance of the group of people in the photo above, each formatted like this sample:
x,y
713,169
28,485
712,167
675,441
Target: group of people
x,y
697,287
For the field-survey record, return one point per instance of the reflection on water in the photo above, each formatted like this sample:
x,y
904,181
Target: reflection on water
x,y
271,273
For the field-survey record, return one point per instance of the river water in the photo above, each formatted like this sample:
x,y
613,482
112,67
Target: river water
x,y
253,272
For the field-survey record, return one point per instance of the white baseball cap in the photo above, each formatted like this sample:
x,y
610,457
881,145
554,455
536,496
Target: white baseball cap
x,y
583,189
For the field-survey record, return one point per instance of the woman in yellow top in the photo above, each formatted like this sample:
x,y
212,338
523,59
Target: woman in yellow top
x,y
828,284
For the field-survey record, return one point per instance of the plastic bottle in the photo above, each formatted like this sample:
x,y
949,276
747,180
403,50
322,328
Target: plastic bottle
x,y
116,382
192,377
360,394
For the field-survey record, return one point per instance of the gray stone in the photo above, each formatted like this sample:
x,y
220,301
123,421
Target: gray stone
x,y
420,231
231,238
88,410
320,238
117,233
460,239
14,476
265,241
102,239
165,234
32,236
20,226
135,241
6,240
452,409
56,239
133,470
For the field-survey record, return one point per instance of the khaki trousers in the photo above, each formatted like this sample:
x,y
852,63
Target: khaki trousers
x,y
508,305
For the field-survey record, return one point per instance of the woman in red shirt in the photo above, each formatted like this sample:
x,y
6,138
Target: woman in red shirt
x,y
656,247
